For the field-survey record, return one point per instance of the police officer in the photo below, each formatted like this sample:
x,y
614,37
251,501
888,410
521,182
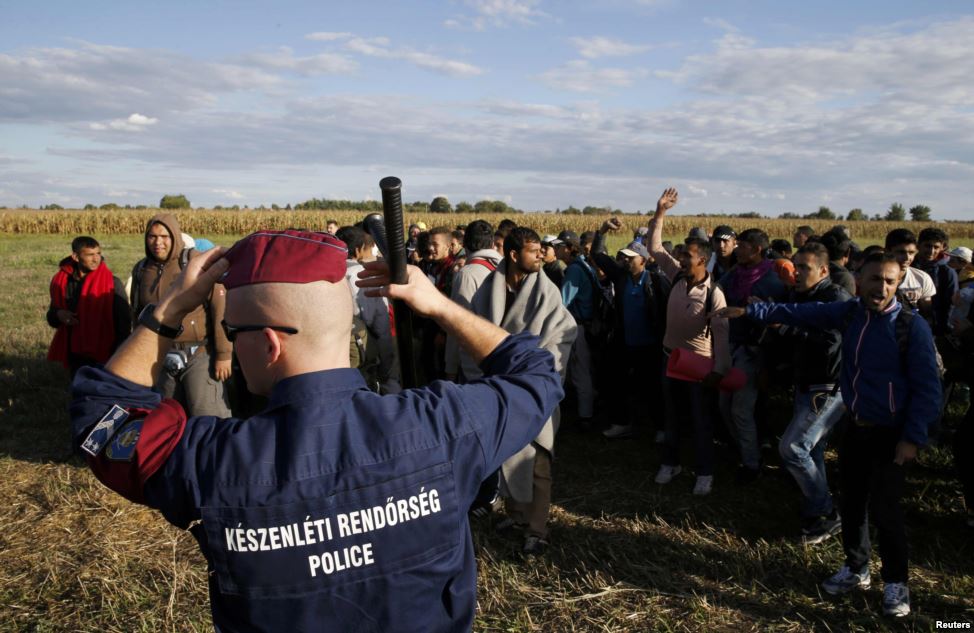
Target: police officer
x,y
335,508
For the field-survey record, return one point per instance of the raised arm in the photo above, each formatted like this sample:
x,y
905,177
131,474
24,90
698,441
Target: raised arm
x,y
667,263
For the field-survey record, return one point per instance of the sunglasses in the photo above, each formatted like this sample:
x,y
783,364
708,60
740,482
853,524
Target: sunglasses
x,y
232,330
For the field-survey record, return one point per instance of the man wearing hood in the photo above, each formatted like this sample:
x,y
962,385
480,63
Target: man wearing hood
x,y
190,375
88,308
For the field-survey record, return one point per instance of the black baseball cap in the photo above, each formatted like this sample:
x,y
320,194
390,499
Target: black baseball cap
x,y
724,232
569,236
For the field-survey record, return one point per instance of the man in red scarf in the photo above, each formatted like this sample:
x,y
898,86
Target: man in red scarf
x,y
88,307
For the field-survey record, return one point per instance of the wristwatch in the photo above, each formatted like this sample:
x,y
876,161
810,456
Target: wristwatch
x,y
148,320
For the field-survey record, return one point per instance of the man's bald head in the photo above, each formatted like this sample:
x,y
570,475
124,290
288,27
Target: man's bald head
x,y
320,311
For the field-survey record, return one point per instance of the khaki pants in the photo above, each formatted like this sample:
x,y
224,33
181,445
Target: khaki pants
x,y
535,512
196,389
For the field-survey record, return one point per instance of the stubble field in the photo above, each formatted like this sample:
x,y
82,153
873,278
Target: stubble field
x,y
626,554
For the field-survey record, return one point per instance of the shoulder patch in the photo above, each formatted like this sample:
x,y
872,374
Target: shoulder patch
x,y
122,448
104,430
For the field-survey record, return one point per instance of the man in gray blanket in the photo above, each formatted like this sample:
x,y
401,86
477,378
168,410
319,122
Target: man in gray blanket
x,y
518,298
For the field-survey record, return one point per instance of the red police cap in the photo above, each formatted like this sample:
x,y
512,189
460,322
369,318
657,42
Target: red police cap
x,y
288,257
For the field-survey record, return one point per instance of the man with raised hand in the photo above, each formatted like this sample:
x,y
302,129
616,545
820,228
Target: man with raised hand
x,y
689,327
891,389
335,508
640,294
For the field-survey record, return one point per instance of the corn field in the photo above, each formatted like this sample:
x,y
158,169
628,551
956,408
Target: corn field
x,y
227,222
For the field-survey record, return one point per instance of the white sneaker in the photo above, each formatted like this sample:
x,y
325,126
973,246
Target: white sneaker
x,y
845,580
896,599
667,473
705,483
618,431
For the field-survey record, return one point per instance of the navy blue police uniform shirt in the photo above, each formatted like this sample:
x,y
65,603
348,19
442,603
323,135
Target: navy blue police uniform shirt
x,y
335,508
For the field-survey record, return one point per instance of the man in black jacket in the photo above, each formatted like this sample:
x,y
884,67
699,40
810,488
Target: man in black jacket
x,y
640,298
818,405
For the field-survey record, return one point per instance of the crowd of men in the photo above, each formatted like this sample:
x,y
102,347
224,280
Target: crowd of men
x,y
678,341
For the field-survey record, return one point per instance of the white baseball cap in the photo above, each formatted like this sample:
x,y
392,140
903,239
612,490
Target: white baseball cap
x,y
962,252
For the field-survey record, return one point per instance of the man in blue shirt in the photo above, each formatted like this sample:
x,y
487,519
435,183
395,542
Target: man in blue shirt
x,y
637,340
891,388
578,293
334,508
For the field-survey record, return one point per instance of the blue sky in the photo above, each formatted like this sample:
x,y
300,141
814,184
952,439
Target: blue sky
x,y
744,106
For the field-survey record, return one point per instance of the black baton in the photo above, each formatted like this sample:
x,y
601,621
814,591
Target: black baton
x,y
393,246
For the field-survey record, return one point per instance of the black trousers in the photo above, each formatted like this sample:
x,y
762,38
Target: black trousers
x,y
635,391
872,485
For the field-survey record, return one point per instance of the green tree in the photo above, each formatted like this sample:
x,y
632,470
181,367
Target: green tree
x,y
896,212
440,205
464,207
856,215
90,207
788,215
108,206
920,213
823,213
52,207
174,202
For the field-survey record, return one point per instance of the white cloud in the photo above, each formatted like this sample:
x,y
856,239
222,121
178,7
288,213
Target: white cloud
x,y
595,47
134,123
309,66
497,13
92,82
228,193
327,36
580,76
380,47
929,65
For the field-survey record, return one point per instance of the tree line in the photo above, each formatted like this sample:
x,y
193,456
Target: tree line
x,y
440,204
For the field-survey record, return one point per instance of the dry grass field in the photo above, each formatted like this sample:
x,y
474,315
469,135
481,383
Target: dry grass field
x,y
626,554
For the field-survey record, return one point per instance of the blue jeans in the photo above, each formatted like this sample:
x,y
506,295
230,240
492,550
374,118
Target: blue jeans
x,y
802,447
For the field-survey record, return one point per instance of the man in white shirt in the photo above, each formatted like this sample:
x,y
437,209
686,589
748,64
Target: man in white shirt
x,y
916,287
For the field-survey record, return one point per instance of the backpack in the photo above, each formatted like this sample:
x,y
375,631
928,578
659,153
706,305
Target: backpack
x,y
901,328
486,263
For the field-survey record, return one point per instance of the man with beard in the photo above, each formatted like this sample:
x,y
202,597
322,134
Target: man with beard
x,y
891,389
88,308
190,376
518,298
